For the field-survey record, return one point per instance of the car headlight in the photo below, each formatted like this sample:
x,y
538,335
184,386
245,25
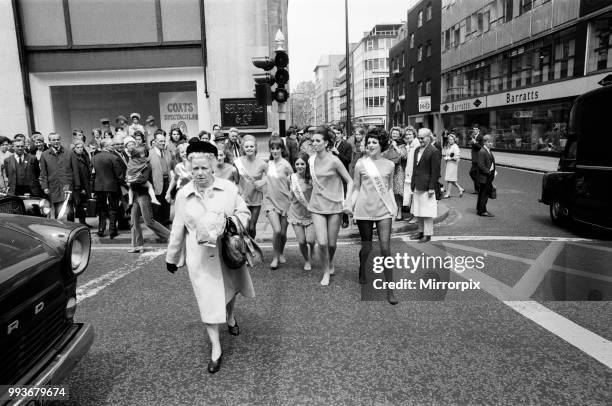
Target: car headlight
x,y
80,248
45,206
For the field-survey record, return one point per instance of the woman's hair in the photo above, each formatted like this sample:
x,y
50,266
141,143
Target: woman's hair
x,y
399,129
96,130
276,142
410,128
328,135
249,137
202,133
380,134
453,136
139,151
212,159
78,142
304,157
182,136
139,134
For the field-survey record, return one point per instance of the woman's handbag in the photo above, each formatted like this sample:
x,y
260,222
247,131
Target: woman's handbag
x,y
91,207
237,246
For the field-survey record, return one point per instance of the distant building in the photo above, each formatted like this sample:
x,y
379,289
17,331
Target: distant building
x,y
326,72
342,82
414,69
514,67
66,64
370,71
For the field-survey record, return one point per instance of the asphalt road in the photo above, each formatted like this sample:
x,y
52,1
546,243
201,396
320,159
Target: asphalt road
x,y
526,336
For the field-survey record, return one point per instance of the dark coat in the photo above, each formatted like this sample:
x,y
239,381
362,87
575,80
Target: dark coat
x,y
81,170
485,160
475,146
293,150
345,153
56,173
32,171
426,173
109,175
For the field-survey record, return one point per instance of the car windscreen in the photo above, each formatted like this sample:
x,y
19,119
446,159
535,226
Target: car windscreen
x,y
16,247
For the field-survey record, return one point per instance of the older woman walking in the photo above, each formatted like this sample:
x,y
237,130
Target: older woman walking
x,y
202,207
397,153
452,157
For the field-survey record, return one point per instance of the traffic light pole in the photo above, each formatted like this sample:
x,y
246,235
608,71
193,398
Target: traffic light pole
x,y
349,131
282,116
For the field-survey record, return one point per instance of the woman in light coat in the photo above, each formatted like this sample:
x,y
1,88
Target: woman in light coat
x,y
452,157
202,207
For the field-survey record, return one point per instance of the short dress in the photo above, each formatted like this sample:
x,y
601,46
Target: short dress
x,y
450,174
249,193
369,205
277,187
327,192
298,212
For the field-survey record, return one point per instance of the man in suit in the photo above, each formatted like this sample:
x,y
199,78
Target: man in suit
x,y
424,183
233,143
486,174
108,178
56,175
343,150
22,171
475,144
162,165
119,150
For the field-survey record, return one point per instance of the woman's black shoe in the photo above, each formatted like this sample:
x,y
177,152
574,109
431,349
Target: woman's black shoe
x,y
234,330
391,297
215,366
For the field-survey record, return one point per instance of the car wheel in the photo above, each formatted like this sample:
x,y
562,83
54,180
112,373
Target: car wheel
x,y
559,214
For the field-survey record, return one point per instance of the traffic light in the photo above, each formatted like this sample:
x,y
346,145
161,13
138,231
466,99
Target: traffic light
x,y
264,81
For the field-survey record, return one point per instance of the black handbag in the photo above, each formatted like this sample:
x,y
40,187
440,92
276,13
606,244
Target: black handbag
x,y
493,192
237,246
91,208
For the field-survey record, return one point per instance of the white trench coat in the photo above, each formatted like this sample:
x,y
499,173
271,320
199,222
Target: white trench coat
x,y
213,283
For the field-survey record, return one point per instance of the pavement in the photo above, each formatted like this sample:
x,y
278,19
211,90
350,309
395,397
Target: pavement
x,y
536,163
264,230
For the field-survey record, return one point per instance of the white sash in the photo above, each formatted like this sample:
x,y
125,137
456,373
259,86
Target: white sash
x,y
313,175
379,184
242,170
272,172
296,188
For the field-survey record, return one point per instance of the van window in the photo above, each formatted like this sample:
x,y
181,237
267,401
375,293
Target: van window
x,y
592,127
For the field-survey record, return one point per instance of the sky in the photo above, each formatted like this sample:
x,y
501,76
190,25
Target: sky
x,y
316,28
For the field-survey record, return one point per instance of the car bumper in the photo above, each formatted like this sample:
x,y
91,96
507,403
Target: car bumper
x,y
70,350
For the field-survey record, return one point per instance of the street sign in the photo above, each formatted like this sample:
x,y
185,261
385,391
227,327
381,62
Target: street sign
x,y
424,104
243,113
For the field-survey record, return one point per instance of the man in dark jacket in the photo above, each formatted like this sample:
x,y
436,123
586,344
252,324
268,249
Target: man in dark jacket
x,y
56,176
122,213
424,183
108,178
292,149
475,144
81,169
486,174
344,152
22,171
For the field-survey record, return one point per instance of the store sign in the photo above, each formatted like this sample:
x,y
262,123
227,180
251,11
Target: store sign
x,y
179,110
243,113
523,114
463,105
424,104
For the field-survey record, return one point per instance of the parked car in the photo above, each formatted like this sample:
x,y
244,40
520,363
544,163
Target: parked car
x,y
580,189
34,206
40,260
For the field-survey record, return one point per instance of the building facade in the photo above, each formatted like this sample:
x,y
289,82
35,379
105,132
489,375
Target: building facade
x,y
72,62
370,71
514,67
325,72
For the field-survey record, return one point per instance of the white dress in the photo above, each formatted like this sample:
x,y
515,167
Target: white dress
x,y
450,175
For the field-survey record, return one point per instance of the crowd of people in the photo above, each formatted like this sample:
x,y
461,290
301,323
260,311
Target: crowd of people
x,y
315,180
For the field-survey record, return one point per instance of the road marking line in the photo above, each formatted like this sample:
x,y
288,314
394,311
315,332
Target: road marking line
x,y
583,339
531,280
594,247
94,286
507,238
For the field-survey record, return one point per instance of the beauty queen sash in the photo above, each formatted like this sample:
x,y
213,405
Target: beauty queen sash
x,y
313,175
296,188
242,170
379,184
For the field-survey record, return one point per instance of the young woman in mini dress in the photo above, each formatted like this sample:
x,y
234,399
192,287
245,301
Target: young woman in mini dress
x,y
299,217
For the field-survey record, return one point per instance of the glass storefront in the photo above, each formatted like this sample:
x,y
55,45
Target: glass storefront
x,y
536,128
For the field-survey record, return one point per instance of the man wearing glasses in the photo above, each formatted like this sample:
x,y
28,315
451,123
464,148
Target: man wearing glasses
x,y
424,184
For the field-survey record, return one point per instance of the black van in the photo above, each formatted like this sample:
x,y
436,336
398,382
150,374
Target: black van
x,y
581,189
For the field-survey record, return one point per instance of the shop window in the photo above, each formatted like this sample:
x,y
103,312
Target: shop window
x,y
564,58
420,19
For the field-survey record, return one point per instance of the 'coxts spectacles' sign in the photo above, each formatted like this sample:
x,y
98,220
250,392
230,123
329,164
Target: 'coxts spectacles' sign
x,y
243,113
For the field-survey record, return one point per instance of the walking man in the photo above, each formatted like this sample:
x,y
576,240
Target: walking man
x,y
107,181
56,176
424,182
486,174
162,166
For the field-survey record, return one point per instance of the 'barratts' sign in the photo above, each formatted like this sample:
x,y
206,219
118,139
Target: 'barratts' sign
x,y
243,113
